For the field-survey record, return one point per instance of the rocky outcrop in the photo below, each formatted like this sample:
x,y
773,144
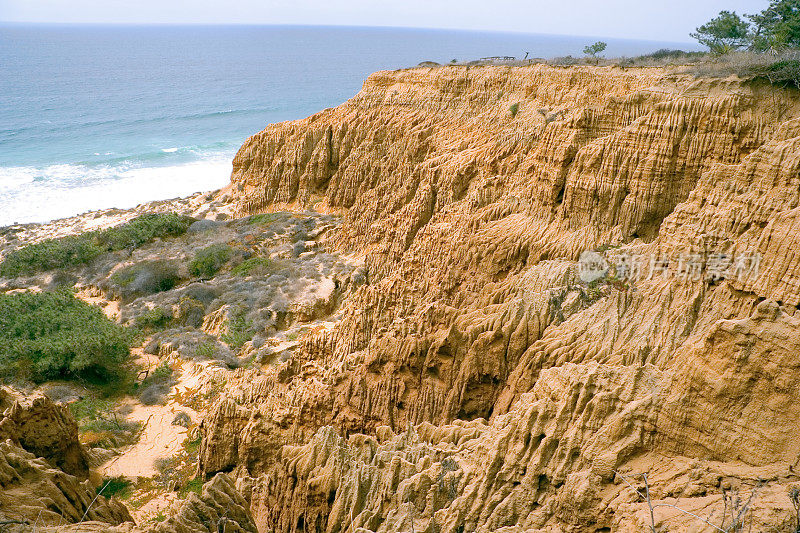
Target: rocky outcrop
x,y
471,193
33,492
44,468
218,507
46,430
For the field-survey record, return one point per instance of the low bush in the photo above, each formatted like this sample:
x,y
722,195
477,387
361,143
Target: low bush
x,y
154,319
65,252
208,261
100,423
238,330
207,350
666,53
142,230
145,278
77,250
115,486
781,72
155,387
262,218
53,335
190,312
252,266
193,485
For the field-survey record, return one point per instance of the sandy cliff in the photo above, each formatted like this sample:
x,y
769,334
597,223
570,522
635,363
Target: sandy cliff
x,y
475,381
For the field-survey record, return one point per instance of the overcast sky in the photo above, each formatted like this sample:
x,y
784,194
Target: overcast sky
x,y
661,20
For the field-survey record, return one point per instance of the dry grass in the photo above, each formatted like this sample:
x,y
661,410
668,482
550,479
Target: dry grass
x,y
782,69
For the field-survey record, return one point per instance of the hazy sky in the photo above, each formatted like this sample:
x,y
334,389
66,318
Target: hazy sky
x,y
664,20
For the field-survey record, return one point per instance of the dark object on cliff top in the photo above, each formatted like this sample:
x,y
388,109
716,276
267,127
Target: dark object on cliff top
x,y
77,250
53,335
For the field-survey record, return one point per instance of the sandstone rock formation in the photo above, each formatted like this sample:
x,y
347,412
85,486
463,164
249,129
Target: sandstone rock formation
x,y
219,507
475,382
43,468
45,429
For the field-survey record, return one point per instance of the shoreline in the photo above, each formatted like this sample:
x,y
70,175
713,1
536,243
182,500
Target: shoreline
x,y
209,205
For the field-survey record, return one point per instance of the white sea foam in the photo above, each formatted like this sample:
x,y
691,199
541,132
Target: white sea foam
x,y
31,194
169,150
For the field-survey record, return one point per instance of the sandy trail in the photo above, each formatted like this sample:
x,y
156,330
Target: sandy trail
x,y
159,438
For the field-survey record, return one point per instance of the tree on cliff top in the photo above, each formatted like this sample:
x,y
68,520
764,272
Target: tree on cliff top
x,y
594,49
724,33
776,27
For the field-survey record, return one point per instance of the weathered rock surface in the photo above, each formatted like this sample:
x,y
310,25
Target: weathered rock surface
x,y
531,392
44,429
219,507
43,467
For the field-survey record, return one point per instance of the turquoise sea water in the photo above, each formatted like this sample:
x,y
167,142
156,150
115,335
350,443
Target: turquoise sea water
x,y
112,116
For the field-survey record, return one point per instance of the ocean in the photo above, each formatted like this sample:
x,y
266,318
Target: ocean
x,y
112,116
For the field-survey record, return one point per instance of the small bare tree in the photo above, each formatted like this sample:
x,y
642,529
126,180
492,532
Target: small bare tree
x,y
739,510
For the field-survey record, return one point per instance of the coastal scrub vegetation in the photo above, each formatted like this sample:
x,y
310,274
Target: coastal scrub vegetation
x,y
251,266
117,486
101,424
774,29
145,278
238,330
761,46
155,387
209,260
771,39
78,250
54,335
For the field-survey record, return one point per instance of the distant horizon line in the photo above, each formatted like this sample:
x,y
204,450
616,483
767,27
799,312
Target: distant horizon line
x,y
355,26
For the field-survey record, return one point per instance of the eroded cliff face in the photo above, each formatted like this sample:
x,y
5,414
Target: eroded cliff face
x,y
476,381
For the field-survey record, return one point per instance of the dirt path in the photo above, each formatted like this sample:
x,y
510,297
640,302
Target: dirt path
x,y
159,438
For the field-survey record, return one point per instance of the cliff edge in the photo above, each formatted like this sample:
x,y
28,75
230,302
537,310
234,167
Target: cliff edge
x,y
490,373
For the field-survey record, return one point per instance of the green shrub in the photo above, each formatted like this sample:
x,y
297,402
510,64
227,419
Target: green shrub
x,y
65,252
514,109
190,312
77,250
115,486
254,265
238,331
207,350
52,335
154,319
155,387
144,278
142,230
262,218
209,260
193,485
782,72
